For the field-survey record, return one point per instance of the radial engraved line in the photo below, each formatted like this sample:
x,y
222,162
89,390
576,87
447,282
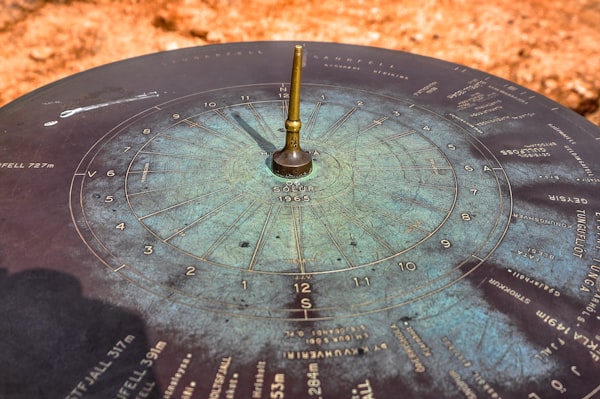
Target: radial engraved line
x,y
203,217
312,120
135,172
376,122
482,335
229,121
261,238
334,240
226,232
180,140
297,238
390,216
420,204
391,138
434,186
403,168
175,186
261,121
419,150
182,203
181,156
331,130
213,131
350,215
284,110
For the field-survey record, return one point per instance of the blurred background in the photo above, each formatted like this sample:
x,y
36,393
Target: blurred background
x,y
550,46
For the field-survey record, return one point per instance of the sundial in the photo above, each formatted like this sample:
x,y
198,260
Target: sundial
x,y
297,220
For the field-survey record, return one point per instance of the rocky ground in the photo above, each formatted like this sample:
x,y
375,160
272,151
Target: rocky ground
x,y
552,47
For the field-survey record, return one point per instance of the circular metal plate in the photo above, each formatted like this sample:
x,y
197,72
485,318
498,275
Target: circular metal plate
x,y
445,244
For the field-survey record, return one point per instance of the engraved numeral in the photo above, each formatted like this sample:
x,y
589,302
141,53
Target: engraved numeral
x,y
446,244
296,198
303,288
120,226
190,271
148,249
407,266
362,282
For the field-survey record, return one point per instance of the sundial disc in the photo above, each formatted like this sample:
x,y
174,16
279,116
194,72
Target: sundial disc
x,y
445,242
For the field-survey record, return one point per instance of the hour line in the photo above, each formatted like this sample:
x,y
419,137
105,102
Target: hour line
x,y
227,119
182,203
267,225
376,122
297,238
373,124
350,216
216,133
418,150
284,110
410,226
420,204
261,121
225,233
392,137
190,123
135,172
173,187
434,186
179,156
405,168
312,120
191,143
179,139
330,233
203,217
334,128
